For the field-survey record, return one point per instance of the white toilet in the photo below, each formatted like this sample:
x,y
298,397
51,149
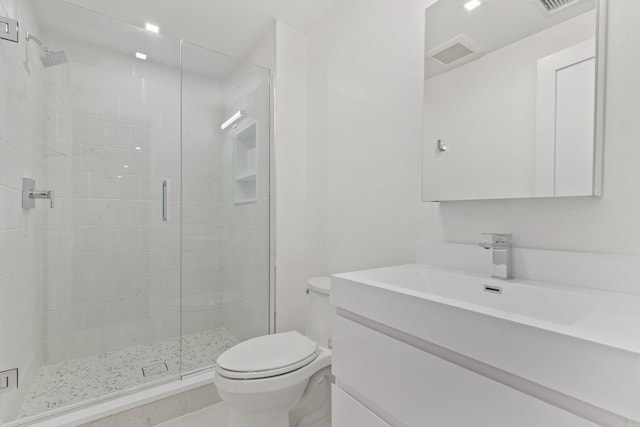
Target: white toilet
x,y
283,379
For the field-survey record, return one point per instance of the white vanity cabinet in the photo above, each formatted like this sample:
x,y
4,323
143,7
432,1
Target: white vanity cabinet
x,y
383,381
348,412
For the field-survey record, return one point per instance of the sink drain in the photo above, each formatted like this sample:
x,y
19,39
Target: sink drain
x,y
493,289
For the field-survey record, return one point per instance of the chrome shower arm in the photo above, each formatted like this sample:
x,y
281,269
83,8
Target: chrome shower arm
x,y
30,36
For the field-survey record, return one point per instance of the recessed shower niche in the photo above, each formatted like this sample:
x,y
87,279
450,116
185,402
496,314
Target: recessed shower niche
x,y
245,164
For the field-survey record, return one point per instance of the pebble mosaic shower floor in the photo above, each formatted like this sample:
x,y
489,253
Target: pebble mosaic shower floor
x,y
80,380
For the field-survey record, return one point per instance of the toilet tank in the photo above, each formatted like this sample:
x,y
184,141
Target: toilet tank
x,y
319,311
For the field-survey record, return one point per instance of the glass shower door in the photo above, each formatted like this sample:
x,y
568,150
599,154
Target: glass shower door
x,y
110,260
225,204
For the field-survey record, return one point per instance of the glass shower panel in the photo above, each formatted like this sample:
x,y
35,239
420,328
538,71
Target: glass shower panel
x,y
110,263
225,205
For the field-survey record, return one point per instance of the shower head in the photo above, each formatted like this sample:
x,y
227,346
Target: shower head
x,y
48,58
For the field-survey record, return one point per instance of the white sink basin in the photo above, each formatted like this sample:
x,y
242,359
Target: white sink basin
x,y
580,342
480,293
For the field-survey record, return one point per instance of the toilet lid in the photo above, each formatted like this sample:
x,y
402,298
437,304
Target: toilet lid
x,y
267,356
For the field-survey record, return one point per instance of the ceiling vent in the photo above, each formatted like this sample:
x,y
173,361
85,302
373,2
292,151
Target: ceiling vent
x,y
454,50
555,5
452,53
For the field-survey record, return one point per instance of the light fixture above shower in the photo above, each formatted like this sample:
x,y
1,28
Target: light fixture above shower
x,y
472,4
48,58
152,27
237,116
142,56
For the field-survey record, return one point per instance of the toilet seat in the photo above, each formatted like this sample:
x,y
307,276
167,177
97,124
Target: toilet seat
x,y
272,384
267,356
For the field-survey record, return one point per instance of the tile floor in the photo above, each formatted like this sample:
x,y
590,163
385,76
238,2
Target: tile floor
x,y
213,416
84,379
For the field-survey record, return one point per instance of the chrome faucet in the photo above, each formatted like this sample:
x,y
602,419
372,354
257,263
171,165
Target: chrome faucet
x,y
501,248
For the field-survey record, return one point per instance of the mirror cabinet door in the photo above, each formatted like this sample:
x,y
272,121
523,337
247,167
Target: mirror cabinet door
x,y
513,97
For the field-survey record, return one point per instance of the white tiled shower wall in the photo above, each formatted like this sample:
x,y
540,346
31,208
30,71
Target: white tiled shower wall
x,y
111,266
225,245
248,89
205,215
20,230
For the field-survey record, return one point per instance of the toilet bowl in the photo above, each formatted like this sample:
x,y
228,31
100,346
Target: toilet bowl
x,y
281,380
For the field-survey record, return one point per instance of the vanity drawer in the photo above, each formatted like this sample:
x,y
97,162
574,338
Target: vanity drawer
x,y
348,412
419,389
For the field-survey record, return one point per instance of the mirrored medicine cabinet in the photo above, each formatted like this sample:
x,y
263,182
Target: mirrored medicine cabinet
x,y
513,99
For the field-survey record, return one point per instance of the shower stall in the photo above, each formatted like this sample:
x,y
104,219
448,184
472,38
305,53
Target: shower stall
x,y
152,254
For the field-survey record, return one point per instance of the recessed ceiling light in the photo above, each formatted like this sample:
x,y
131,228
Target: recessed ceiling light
x,y
125,166
152,28
472,4
138,148
141,55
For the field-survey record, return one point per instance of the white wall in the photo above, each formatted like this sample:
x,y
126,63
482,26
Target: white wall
x,y
365,85
348,181
20,230
298,195
608,224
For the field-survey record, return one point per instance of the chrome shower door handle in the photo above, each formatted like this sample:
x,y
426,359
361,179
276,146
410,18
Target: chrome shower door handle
x,y
165,200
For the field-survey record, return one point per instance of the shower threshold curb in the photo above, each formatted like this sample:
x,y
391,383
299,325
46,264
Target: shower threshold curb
x,y
87,414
